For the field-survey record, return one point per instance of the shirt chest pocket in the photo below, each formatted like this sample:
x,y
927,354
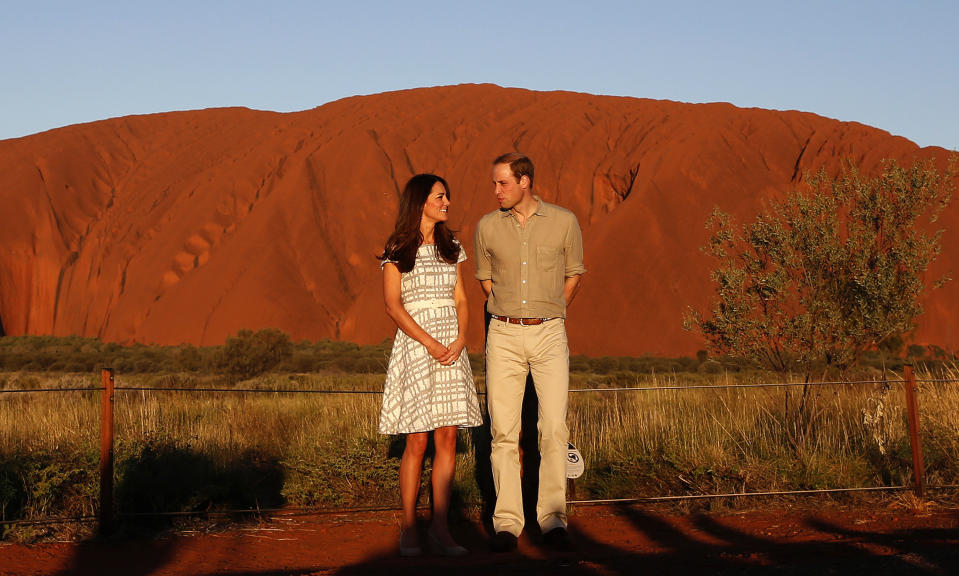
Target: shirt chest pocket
x,y
547,258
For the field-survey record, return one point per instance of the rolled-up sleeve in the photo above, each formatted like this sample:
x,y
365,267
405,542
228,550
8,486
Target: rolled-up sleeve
x,y
484,266
574,249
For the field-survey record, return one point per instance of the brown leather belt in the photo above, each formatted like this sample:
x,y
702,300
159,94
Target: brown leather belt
x,y
521,321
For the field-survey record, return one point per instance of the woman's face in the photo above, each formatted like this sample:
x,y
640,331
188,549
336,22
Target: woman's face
x,y
437,204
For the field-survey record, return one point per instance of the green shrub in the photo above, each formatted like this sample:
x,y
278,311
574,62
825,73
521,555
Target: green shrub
x,y
40,483
247,353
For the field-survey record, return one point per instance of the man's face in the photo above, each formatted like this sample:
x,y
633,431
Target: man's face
x,y
508,190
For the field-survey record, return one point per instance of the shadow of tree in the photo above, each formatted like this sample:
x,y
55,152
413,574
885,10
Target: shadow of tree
x,y
159,480
702,544
644,543
170,478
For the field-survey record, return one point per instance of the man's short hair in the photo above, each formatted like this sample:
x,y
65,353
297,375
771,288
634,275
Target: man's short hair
x,y
519,164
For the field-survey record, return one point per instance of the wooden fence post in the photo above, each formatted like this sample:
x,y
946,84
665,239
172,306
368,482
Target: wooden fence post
x,y
912,409
106,451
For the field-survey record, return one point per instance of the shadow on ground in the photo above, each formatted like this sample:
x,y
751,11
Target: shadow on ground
x,y
705,545
157,481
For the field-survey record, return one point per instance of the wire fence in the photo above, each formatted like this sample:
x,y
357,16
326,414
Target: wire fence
x,y
108,389
481,393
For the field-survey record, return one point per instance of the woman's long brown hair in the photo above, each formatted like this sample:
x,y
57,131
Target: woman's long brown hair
x,y
406,237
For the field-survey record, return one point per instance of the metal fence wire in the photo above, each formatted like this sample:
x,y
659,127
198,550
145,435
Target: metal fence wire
x,y
108,391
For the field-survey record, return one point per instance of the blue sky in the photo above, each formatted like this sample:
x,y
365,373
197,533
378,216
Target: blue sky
x,y
887,64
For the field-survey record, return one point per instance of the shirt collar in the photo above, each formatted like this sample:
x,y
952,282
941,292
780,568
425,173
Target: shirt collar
x,y
540,208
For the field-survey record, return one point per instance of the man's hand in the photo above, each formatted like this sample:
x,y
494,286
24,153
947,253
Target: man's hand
x,y
570,288
487,286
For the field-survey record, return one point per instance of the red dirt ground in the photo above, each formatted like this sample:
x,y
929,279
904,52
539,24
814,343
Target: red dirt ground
x,y
829,539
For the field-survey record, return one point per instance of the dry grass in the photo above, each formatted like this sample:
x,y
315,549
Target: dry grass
x,y
203,450
736,439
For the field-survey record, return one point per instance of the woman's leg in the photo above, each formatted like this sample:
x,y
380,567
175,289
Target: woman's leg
x,y
411,467
444,468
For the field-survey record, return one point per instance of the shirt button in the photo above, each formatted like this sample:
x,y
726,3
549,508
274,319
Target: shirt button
x,y
524,281
524,263
524,301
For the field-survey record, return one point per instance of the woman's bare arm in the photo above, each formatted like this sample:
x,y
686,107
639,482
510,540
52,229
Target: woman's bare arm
x,y
405,322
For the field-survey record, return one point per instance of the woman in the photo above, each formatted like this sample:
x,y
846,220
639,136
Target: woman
x,y
429,384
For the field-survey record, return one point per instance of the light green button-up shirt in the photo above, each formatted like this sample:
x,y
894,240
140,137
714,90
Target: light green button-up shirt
x,y
528,265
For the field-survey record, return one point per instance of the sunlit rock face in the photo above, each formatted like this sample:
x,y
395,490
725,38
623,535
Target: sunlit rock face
x,y
188,226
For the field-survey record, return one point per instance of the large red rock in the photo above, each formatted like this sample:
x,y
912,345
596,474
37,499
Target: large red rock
x,y
188,226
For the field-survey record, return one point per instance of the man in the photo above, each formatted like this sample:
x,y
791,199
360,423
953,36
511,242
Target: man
x,y
529,258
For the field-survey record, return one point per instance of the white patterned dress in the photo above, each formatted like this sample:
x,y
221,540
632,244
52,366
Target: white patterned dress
x,y
420,394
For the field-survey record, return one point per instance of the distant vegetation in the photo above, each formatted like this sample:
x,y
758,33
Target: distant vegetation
x,y
244,355
247,354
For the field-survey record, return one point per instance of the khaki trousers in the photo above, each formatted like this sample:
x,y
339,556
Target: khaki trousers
x,y
512,351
